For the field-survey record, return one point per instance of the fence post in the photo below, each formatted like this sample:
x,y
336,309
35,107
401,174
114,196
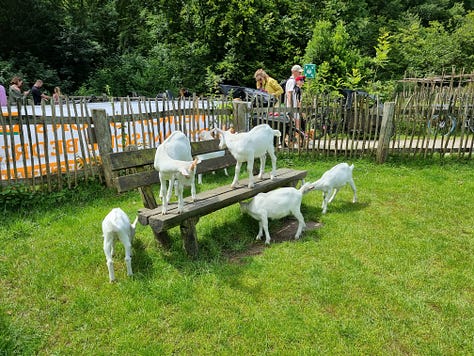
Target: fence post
x,y
385,131
104,141
241,110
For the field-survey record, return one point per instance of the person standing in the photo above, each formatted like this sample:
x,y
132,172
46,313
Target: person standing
x,y
57,95
291,101
14,92
268,84
37,93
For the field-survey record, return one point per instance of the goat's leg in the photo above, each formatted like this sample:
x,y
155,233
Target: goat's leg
x,y
193,189
265,228
354,198
164,194
108,246
236,174
334,192
325,202
170,189
260,230
180,189
250,162
273,157
125,238
262,166
225,172
301,223
200,178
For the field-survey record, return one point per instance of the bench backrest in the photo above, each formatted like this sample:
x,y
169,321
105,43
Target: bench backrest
x,y
134,168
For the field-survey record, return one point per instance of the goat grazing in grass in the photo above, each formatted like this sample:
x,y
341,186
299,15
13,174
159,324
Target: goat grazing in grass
x,y
116,225
206,135
333,180
173,161
246,146
276,204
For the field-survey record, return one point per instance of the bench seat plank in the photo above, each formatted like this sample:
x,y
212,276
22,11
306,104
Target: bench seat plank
x,y
213,200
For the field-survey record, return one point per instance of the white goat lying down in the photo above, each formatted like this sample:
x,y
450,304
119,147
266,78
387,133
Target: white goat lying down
x,y
276,204
246,146
205,135
173,161
333,180
116,225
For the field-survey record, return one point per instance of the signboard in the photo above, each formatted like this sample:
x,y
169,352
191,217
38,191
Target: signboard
x,y
310,71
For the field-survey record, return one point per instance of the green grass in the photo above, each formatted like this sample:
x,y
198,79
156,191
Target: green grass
x,y
391,274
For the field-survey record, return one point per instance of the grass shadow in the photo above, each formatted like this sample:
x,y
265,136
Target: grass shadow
x,y
142,264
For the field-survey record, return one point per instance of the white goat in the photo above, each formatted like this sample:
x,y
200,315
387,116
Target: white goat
x,y
206,135
276,204
116,225
246,146
173,161
333,180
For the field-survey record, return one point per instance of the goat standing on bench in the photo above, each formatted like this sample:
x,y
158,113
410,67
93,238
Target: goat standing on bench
x,y
116,225
173,161
276,204
333,180
246,146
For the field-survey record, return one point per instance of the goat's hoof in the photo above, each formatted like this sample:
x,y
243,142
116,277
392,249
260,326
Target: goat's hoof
x,y
267,242
258,238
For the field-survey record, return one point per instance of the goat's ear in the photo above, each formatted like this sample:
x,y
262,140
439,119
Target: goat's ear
x,y
184,172
194,164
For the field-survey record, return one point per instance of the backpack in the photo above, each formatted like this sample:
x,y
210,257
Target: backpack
x,y
283,85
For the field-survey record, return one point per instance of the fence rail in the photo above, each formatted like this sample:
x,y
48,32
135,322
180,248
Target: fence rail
x,y
53,146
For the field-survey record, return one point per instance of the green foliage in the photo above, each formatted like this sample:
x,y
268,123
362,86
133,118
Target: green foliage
x,y
84,45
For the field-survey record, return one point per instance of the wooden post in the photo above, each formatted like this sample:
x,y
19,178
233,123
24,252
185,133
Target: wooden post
x,y
385,131
189,235
104,141
241,110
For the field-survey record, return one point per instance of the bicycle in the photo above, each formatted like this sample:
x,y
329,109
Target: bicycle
x,y
442,123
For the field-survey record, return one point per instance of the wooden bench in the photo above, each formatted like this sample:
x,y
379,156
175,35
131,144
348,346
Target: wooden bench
x,y
134,170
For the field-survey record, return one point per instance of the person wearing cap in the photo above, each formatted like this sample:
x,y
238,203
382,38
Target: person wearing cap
x,y
268,84
296,71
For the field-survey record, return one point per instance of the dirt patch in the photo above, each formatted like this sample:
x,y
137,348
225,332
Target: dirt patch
x,y
285,233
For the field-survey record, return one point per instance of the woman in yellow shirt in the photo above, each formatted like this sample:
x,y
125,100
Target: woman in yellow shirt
x,y
268,84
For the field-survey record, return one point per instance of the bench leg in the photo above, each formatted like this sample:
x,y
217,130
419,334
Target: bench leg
x,y
163,238
189,235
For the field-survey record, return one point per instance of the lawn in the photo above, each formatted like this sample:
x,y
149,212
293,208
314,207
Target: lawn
x,y
390,274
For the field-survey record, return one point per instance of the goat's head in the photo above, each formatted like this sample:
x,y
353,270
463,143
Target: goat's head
x,y
223,136
188,172
244,206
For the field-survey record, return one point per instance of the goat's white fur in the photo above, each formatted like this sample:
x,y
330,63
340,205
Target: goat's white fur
x,y
205,135
116,225
276,204
333,180
246,146
174,162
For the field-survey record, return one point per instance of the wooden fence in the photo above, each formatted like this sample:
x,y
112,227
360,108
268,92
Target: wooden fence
x,y
54,146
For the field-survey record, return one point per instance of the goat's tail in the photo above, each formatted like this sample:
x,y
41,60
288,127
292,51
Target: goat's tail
x,y
307,187
276,133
